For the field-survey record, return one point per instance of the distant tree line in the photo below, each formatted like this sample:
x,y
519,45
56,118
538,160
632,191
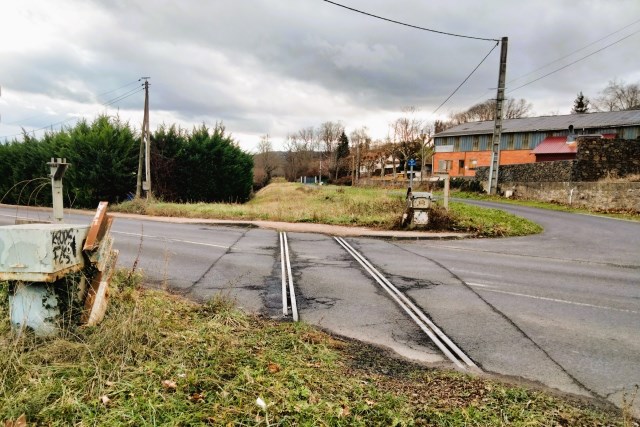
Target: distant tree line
x,y
201,165
328,151
322,151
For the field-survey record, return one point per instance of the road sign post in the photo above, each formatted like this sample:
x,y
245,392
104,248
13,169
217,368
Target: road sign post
x,y
411,163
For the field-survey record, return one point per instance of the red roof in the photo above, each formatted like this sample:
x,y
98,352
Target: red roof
x,y
555,145
559,145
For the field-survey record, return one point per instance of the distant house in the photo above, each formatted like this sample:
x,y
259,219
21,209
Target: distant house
x,y
461,149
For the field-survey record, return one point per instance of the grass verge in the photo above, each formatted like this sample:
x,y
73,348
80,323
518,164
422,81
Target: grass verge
x,y
355,206
628,215
158,359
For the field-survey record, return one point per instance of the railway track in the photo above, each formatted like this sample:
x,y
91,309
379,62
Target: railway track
x,y
435,334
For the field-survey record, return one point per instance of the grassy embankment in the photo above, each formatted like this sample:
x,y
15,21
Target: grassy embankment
x,y
161,360
369,207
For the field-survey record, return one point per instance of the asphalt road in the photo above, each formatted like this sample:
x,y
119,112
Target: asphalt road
x,y
561,308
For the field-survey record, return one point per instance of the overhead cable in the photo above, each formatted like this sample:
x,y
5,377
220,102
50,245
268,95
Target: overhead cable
x,y
467,78
106,104
99,95
409,25
123,96
574,62
574,52
115,90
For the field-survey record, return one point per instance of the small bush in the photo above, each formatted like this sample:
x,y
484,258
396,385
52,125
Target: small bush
x,y
465,184
440,219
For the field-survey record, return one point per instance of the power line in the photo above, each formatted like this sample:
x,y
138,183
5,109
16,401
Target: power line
x,y
564,57
115,90
42,115
408,25
106,104
575,62
123,96
467,78
574,52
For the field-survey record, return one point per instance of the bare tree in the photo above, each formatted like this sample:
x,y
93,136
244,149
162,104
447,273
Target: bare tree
x,y
328,135
406,131
360,142
618,96
512,109
267,159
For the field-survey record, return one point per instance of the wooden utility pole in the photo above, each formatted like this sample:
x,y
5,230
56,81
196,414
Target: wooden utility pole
x,y
497,128
145,126
143,155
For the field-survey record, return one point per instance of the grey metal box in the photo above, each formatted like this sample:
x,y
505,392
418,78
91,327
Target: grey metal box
x,y
41,252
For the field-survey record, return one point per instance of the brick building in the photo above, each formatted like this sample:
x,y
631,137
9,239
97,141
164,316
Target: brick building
x,y
462,148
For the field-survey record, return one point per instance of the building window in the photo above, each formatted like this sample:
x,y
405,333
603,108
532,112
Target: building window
x,y
456,144
444,165
510,141
461,165
476,143
473,164
525,141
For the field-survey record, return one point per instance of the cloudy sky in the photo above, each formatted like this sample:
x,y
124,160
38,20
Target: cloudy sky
x,y
276,66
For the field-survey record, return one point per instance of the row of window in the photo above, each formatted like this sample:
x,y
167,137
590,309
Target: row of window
x,y
447,165
510,137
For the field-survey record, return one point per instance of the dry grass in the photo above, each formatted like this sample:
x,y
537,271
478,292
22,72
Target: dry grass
x,y
614,178
368,207
160,360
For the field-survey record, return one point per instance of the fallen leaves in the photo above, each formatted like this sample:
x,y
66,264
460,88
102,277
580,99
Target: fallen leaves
x,y
273,368
21,421
197,397
169,385
344,412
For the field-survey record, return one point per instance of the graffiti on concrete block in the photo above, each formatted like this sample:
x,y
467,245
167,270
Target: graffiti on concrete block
x,y
64,246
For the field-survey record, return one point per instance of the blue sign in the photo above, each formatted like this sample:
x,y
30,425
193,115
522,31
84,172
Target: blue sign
x,y
412,162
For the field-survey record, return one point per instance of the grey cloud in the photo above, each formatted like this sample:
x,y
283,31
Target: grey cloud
x,y
246,62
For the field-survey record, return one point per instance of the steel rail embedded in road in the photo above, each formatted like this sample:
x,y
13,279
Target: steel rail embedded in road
x,y
287,277
448,347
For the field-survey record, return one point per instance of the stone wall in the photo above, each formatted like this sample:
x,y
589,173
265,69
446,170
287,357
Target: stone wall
x,y
602,158
575,182
534,172
591,195
596,159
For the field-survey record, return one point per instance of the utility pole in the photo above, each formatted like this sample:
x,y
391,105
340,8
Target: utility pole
x,y
423,136
497,128
145,148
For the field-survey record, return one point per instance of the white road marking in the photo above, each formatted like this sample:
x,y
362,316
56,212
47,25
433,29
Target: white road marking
x,y
488,288
170,240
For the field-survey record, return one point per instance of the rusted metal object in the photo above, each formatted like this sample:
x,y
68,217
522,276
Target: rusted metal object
x,y
98,227
99,250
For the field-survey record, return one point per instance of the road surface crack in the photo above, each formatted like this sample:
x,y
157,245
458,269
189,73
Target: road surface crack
x,y
189,289
505,317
